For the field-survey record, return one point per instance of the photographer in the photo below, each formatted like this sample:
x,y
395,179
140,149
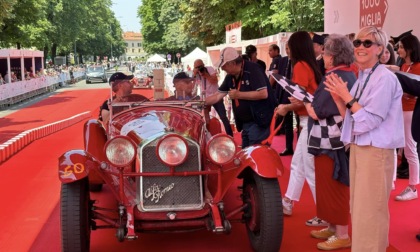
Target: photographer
x,y
206,77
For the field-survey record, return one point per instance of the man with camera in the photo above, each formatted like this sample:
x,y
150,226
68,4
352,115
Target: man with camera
x,y
206,77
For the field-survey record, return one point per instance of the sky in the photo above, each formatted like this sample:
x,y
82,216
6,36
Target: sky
x,y
126,12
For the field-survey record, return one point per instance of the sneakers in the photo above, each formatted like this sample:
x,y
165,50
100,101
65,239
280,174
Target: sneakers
x,y
334,243
315,222
322,234
407,194
287,207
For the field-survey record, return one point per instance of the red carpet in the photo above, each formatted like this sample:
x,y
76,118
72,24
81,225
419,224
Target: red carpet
x,y
30,190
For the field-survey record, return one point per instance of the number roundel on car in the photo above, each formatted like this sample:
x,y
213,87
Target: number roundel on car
x,y
172,150
221,149
120,151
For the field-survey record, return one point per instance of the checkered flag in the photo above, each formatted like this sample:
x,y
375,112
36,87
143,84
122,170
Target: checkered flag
x,y
326,133
292,88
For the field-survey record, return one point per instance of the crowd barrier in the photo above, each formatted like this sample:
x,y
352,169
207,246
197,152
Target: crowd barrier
x,y
17,143
15,92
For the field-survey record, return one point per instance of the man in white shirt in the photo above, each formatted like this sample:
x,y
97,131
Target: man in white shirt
x,y
207,78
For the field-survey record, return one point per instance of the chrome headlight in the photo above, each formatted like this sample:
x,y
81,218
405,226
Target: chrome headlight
x,y
120,151
172,150
221,149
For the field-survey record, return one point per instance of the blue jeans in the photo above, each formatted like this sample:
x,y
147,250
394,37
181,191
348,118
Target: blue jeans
x,y
221,111
253,134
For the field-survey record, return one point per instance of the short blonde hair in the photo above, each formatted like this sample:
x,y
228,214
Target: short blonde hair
x,y
378,34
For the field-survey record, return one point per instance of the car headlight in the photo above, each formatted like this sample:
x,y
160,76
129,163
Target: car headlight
x,y
221,149
120,151
172,150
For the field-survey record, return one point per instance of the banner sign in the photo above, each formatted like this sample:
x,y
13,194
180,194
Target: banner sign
x,y
233,32
373,12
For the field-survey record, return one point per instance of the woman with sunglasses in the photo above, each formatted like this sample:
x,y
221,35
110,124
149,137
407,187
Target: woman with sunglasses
x,y
409,50
372,112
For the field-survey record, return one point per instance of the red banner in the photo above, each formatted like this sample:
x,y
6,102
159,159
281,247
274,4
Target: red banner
x,y
373,12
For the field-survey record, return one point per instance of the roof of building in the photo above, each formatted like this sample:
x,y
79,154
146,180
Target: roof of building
x,y
130,35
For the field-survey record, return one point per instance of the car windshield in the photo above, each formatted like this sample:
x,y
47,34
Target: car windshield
x,y
95,69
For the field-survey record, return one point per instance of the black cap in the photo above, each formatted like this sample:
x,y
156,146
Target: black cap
x,y
120,76
250,49
182,76
397,39
318,39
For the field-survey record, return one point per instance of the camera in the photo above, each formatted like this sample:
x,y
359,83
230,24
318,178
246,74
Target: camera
x,y
202,69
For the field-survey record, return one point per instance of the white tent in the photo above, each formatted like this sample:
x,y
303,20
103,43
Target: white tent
x,y
156,58
197,53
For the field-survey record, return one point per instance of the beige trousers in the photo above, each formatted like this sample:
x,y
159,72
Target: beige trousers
x,y
371,172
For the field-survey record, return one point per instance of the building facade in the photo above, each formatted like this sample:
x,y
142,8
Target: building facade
x,y
133,46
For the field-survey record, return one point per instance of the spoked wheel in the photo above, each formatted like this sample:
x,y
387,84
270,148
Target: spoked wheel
x,y
75,216
264,214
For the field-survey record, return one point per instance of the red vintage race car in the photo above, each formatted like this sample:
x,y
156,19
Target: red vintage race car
x,y
168,171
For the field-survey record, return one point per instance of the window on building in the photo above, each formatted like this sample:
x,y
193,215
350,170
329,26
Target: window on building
x,y
138,44
126,44
139,50
132,50
132,44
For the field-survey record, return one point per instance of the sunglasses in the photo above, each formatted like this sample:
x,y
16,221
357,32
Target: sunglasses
x,y
367,43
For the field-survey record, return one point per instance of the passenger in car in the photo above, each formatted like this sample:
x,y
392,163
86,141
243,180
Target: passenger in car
x,y
122,86
185,88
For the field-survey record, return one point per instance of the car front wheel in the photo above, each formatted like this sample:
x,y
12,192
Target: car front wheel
x,y
264,214
75,216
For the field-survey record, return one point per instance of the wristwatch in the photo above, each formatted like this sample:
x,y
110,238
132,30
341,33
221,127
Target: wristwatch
x,y
350,103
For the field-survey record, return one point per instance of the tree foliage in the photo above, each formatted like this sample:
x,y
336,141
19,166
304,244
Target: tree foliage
x,y
205,21
6,7
87,27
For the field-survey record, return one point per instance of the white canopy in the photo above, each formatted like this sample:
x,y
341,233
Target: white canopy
x,y
197,53
156,58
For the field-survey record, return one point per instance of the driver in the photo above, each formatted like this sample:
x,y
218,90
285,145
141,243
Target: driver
x,y
122,86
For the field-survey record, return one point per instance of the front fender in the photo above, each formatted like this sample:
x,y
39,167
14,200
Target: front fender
x,y
264,160
75,165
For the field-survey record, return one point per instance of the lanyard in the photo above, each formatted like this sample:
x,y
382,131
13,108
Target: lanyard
x,y
239,83
366,81
409,67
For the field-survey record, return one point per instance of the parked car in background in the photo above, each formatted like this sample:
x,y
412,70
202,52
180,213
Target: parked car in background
x,y
96,73
167,170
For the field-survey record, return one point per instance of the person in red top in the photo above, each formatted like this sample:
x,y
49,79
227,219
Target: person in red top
x,y
307,75
409,50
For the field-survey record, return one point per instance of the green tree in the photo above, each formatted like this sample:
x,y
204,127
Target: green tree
x,y
7,7
19,26
206,20
151,28
298,15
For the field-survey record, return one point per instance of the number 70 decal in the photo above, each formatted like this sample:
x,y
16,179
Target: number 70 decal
x,y
75,168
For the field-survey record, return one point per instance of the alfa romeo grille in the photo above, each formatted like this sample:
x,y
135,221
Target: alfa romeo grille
x,y
171,192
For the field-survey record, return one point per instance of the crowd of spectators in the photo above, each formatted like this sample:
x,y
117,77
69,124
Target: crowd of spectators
x,y
356,102
51,70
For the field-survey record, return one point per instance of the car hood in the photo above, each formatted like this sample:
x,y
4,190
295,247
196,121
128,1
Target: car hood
x,y
145,123
95,74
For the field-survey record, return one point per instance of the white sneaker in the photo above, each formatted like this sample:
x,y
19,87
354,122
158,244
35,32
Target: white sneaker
x,y
316,222
407,194
287,207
